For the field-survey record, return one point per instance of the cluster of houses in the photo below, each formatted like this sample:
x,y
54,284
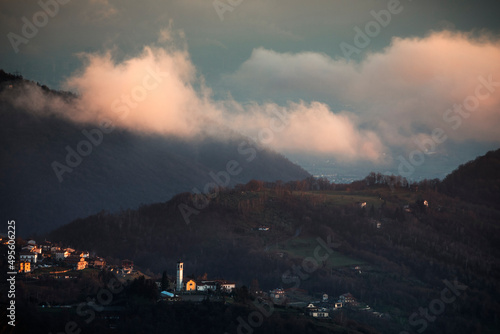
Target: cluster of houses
x,y
194,286
46,254
213,285
323,308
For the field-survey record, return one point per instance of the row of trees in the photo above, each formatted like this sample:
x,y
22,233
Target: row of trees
x,y
373,180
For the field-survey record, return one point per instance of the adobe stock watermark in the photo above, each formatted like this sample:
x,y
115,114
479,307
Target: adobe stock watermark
x,y
29,30
372,29
310,264
233,168
222,6
12,272
255,319
87,310
436,307
453,117
94,137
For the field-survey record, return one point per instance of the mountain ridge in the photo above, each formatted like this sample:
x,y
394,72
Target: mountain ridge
x,y
124,170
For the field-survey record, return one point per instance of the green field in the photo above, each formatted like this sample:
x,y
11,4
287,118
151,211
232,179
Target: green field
x,y
343,198
393,198
300,248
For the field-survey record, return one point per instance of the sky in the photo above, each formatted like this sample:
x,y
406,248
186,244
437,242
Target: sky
x,y
340,87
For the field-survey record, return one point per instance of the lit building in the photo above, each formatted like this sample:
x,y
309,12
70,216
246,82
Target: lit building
x,y
190,285
180,269
26,256
24,267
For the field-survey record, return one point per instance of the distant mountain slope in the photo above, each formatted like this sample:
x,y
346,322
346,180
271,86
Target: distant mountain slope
x,y
315,240
124,171
477,181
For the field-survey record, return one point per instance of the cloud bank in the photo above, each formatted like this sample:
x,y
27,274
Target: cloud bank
x,y
401,93
393,99
159,92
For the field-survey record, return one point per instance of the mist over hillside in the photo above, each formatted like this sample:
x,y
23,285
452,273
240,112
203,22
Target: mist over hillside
x,y
55,170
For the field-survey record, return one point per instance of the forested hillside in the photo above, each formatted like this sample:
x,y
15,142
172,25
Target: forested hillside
x,y
424,239
477,181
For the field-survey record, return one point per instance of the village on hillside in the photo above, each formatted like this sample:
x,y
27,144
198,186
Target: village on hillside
x,y
39,260
44,258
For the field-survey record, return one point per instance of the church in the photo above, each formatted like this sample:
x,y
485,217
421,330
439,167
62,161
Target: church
x,y
201,286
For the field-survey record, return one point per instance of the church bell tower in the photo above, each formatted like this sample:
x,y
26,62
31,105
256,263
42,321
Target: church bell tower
x,y
180,269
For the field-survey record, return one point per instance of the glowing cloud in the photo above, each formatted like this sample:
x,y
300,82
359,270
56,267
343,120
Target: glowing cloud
x,y
159,92
152,92
401,93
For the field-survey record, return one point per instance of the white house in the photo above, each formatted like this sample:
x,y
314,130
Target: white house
x,y
202,287
320,313
227,286
317,312
28,257
311,307
207,286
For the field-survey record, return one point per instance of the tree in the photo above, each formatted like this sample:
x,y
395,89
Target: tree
x,y
371,179
254,185
241,294
164,281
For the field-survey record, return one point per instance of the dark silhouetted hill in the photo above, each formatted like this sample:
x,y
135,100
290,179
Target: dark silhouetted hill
x,y
477,181
124,171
